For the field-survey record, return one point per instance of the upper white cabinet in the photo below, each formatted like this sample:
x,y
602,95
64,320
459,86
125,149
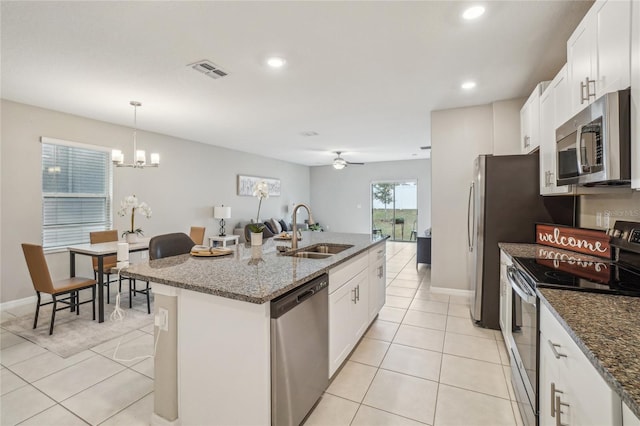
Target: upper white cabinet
x,y
554,111
635,96
598,53
530,120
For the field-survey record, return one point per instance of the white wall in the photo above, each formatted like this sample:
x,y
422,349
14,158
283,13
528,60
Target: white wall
x,y
341,199
458,136
192,178
618,206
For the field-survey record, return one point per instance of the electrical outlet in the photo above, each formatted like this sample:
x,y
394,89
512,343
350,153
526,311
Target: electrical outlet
x,y
143,255
162,319
606,221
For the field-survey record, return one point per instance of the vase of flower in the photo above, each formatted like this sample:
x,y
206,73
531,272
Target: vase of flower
x,y
261,191
256,238
131,205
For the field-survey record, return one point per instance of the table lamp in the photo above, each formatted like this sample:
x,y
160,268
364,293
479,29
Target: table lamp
x,y
222,213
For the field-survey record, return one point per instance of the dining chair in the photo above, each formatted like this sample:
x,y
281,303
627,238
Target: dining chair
x,y
109,261
197,234
168,245
42,283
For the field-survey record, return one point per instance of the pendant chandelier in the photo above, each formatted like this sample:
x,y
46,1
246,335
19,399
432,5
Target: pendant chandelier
x,y
140,159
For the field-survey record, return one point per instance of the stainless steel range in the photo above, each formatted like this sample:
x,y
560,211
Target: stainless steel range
x,y
620,276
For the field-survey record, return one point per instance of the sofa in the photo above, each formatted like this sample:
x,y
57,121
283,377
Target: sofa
x,y
271,228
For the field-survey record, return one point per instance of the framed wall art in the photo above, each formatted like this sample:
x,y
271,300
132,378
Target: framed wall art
x,y
246,185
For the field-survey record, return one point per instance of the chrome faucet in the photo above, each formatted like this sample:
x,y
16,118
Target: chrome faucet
x,y
294,237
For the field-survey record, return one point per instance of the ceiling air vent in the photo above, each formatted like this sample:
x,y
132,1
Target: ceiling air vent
x,y
208,68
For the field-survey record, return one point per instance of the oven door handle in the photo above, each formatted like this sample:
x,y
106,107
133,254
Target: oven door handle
x,y
521,290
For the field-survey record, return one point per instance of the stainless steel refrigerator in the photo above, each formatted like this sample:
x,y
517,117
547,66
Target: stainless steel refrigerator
x,y
504,206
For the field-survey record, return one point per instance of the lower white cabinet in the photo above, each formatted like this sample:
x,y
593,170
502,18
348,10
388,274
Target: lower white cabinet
x,y
356,295
505,299
571,391
377,280
628,418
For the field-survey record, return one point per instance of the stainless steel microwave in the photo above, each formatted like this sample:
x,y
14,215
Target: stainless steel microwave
x,y
594,147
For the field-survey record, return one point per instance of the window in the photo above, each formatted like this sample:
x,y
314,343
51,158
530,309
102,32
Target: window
x,y
76,192
394,209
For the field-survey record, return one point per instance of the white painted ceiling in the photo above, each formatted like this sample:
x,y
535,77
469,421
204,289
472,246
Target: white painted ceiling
x,y
363,75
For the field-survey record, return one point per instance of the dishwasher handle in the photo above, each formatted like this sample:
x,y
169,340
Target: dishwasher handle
x,y
288,301
307,294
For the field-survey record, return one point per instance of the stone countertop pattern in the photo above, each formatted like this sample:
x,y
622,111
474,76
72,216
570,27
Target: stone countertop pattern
x,y
531,251
242,275
607,329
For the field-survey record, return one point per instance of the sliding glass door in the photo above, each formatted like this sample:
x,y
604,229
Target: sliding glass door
x,y
394,209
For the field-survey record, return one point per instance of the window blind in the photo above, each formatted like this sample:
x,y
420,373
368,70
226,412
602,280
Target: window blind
x,y
76,193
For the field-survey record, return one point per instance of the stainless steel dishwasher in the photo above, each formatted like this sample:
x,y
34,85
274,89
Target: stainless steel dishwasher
x,y
299,351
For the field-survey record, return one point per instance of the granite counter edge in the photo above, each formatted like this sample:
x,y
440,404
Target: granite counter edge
x,y
248,298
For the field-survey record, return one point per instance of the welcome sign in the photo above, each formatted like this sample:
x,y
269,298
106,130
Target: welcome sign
x,y
587,241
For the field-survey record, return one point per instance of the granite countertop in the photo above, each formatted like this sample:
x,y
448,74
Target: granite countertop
x,y
255,275
539,251
607,329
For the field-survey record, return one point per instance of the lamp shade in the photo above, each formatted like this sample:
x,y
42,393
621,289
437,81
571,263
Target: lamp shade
x,y
222,212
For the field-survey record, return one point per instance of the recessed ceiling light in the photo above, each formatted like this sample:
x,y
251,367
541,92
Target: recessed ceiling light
x,y
468,85
473,12
276,62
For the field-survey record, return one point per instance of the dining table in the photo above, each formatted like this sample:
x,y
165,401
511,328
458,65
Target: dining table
x,y
100,251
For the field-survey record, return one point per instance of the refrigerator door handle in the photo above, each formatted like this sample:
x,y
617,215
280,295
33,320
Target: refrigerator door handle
x,y
470,216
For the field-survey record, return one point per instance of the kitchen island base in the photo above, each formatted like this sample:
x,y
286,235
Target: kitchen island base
x,y
223,360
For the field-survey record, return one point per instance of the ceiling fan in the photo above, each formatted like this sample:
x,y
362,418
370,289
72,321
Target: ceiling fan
x,y
340,163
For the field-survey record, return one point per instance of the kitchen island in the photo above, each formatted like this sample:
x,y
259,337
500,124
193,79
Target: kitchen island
x,y
212,364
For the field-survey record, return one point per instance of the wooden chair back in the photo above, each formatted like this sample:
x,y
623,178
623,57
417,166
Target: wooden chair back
x,y
38,269
197,234
104,237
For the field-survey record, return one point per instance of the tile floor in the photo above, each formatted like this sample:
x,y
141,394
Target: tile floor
x,y
421,362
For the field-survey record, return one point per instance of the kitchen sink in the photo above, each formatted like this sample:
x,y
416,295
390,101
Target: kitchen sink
x,y
311,255
326,248
319,251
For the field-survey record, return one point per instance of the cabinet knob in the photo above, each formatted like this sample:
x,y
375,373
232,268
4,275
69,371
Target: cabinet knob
x,y
557,354
584,87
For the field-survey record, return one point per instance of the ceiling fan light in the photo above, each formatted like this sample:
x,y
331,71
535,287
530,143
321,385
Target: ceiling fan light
x,y
339,164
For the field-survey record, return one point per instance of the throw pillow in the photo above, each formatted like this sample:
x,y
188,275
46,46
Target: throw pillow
x,y
277,228
284,225
270,226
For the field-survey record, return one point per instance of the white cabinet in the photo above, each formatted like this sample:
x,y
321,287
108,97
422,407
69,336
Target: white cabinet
x,y
505,300
628,418
348,308
598,53
377,280
530,120
571,391
635,95
554,111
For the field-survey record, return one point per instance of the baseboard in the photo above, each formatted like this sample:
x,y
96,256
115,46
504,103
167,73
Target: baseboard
x,y
157,420
18,302
31,300
451,291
